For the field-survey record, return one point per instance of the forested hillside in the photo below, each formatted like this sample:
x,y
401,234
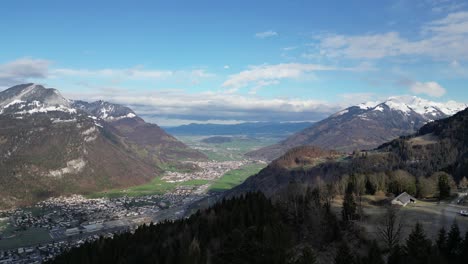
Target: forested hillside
x,y
251,229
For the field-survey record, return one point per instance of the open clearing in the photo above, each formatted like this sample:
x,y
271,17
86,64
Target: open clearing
x,y
228,151
235,177
156,186
431,214
233,150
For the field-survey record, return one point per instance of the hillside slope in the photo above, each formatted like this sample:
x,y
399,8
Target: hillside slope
x,y
49,146
149,140
439,146
251,129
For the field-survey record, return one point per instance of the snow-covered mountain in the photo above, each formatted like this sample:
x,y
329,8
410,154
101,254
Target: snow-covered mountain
x,y
105,110
32,98
50,145
366,126
414,105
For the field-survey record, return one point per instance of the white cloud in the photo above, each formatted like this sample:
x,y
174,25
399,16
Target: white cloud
x,y
357,98
22,70
177,104
440,6
137,73
457,69
266,34
290,48
131,73
260,75
27,69
226,67
442,39
428,88
168,122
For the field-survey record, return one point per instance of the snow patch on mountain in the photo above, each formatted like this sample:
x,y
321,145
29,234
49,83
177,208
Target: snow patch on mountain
x,y
368,105
423,107
410,105
38,107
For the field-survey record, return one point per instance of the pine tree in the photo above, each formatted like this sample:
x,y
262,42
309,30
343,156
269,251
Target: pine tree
x,y
453,243
308,257
418,247
374,256
441,241
344,256
464,249
349,204
370,187
396,255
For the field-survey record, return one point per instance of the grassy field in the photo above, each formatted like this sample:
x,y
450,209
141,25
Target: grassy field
x,y
233,150
235,177
156,186
14,239
431,214
228,151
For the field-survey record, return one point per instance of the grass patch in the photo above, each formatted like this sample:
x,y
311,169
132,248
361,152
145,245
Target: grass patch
x,y
235,177
32,236
233,150
156,186
175,167
3,224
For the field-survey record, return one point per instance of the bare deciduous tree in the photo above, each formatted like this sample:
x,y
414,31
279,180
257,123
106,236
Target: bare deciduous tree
x,y
390,228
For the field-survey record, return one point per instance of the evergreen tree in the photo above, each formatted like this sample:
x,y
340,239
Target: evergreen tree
x,y
464,249
307,257
349,204
418,247
344,256
374,255
396,255
441,241
370,187
453,243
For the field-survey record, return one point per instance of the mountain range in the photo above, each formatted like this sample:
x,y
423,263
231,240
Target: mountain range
x,y
50,145
275,129
286,213
365,126
439,146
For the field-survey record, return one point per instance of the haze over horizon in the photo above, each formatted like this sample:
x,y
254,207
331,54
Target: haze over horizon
x,y
261,61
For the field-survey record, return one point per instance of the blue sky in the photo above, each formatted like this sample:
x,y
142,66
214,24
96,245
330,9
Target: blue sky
x,y
229,61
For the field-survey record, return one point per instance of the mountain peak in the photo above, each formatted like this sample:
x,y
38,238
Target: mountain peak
x,y
32,92
408,104
105,110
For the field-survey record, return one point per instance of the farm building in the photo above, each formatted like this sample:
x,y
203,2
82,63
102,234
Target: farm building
x,y
403,199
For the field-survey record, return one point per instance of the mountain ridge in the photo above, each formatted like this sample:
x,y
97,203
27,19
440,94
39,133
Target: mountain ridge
x,y
49,146
247,128
365,126
439,146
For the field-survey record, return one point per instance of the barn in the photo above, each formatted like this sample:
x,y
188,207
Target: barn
x,y
403,199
